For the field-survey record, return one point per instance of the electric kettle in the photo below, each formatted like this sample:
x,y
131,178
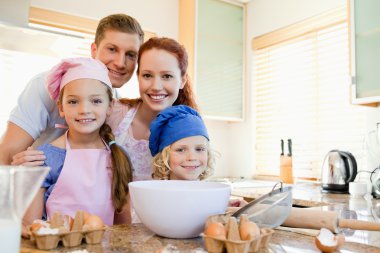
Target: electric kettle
x,y
339,168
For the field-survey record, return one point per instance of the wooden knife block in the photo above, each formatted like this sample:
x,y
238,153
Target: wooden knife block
x,y
286,169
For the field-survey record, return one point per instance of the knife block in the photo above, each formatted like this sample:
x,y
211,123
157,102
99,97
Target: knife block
x,y
286,169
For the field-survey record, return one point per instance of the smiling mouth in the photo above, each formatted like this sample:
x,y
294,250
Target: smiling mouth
x,y
191,167
83,121
157,97
116,73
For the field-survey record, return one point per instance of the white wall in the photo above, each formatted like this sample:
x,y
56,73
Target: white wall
x,y
159,16
269,15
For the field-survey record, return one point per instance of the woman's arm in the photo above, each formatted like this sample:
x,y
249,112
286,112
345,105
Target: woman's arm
x,y
34,211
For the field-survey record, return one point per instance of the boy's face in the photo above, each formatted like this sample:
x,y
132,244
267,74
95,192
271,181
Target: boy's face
x,y
118,51
188,158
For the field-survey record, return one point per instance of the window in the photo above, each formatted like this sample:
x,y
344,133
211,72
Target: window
x,y
302,92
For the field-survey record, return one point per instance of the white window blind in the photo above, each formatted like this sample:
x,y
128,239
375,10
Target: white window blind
x,y
302,89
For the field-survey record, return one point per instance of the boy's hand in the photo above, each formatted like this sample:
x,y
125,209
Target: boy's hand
x,y
237,203
29,157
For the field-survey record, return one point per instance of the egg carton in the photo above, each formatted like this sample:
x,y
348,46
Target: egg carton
x,y
233,242
72,238
217,245
69,239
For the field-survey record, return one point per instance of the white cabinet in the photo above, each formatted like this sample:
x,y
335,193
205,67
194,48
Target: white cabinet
x,y
365,51
213,34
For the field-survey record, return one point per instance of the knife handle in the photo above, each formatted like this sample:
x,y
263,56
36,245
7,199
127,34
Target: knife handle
x,y
282,147
290,147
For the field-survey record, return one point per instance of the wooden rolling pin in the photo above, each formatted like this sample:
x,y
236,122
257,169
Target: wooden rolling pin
x,y
316,219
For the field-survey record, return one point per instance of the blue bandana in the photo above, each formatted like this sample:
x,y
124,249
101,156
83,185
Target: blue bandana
x,y
172,124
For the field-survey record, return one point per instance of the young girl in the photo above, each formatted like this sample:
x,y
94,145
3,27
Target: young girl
x,y
163,82
179,144
82,175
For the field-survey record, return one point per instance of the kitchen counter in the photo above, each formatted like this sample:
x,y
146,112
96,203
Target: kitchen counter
x,y
137,238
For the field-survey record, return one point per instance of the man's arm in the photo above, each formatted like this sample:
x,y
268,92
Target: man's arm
x,y
34,114
13,141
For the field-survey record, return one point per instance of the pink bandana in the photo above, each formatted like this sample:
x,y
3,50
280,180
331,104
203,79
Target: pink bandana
x,y
72,69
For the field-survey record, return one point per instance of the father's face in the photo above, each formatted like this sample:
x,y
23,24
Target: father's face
x,y
118,51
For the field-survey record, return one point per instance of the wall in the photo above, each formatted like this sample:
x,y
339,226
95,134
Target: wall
x,y
269,15
160,16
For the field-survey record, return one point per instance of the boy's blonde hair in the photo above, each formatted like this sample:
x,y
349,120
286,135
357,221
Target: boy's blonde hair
x,y
161,169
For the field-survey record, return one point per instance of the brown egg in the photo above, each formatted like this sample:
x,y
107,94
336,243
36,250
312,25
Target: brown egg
x,y
93,222
35,227
215,229
248,230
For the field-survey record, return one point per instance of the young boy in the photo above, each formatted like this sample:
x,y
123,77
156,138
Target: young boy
x,y
33,121
179,144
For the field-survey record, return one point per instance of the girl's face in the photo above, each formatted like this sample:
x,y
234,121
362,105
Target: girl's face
x,y
159,79
188,158
85,105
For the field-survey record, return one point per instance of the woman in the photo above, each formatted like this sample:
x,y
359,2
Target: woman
x,y
163,82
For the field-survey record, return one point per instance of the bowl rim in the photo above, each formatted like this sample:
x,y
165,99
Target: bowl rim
x,y
156,185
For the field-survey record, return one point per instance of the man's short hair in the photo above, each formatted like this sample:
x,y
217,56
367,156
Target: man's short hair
x,y
120,23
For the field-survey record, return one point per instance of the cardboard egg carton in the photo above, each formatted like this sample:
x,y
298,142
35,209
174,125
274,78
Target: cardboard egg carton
x,y
233,243
69,235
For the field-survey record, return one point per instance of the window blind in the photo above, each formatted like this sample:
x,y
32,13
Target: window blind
x,y
301,86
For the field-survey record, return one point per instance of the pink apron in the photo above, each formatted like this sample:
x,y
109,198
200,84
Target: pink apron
x,y
83,184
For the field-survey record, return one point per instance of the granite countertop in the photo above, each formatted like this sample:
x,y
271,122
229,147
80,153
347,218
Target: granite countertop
x,y
137,238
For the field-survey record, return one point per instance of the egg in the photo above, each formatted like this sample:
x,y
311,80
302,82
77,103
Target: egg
x,y
249,230
37,224
215,229
35,227
93,222
327,242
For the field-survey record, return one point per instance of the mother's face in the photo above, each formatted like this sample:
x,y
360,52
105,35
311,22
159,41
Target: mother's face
x,y
159,79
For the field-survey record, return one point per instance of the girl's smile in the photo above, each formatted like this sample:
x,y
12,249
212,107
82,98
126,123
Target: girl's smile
x,y
85,105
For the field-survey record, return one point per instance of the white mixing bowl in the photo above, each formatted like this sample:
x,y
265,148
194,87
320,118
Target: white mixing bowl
x,y
178,208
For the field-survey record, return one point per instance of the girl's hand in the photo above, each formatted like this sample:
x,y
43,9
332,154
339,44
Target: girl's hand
x,y
25,232
29,157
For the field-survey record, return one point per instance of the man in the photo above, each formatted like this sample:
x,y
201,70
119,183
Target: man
x,y
33,121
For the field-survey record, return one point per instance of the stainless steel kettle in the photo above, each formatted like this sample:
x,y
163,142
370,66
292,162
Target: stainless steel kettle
x,y
339,168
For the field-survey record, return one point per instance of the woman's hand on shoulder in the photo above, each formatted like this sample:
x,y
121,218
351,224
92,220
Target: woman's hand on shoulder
x,y
30,157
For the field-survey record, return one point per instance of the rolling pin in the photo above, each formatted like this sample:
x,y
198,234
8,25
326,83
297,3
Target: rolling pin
x,y
316,219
